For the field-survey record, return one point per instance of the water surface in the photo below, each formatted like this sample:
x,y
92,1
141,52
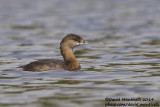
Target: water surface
x,y
122,58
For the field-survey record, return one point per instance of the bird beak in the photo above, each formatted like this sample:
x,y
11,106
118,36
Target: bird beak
x,y
83,42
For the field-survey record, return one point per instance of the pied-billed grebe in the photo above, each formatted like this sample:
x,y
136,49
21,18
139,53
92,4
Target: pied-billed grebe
x,y
70,62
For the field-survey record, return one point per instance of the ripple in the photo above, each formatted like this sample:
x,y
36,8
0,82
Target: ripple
x,y
121,60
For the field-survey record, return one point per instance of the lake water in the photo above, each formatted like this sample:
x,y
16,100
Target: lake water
x,y
122,59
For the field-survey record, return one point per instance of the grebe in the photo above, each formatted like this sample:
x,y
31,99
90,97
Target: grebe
x,y
70,62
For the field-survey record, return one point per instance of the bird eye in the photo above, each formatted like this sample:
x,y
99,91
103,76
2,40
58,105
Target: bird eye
x,y
76,39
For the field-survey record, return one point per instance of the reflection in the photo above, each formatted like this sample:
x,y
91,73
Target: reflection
x,y
69,82
151,42
26,27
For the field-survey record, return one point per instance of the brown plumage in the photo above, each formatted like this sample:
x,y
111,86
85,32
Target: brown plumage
x,y
70,62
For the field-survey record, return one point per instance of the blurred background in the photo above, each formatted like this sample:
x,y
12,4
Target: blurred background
x,y
122,58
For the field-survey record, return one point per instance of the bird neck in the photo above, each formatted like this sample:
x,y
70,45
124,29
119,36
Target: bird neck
x,y
69,58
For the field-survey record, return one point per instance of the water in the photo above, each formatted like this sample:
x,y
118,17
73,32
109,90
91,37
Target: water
x,y
122,58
